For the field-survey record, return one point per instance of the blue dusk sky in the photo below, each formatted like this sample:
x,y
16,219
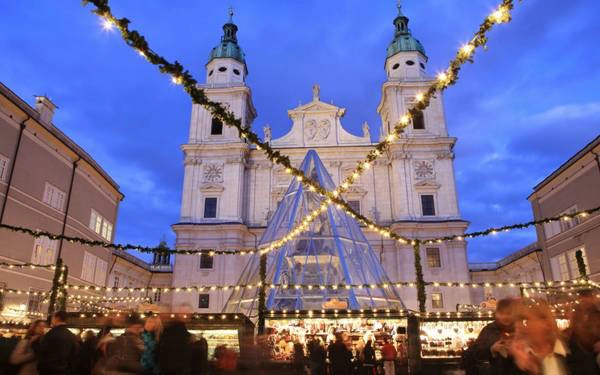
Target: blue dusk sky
x,y
526,105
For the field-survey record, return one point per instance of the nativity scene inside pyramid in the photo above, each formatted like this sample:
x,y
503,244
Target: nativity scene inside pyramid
x,y
333,251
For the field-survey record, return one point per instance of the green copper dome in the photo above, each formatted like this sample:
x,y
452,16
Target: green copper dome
x,y
228,48
403,39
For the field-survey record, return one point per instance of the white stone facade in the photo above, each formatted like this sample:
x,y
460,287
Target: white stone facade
x,y
247,186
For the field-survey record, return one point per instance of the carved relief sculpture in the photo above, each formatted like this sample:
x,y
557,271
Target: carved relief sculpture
x,y
317,131
212,173
424,169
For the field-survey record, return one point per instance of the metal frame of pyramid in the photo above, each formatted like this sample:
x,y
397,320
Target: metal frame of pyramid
x,y
332,251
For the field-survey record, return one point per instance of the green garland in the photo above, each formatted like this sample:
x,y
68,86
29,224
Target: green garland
x,y
165,250
135,40
421,295
581,264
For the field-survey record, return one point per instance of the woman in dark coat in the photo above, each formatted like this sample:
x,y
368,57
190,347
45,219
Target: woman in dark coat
x,y
174,351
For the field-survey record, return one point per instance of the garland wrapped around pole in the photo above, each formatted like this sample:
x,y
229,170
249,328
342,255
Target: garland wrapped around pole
x,y
56,287
262,294
581,264
420,282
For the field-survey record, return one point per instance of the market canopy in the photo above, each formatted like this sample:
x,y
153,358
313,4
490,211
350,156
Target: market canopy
x,y
332,251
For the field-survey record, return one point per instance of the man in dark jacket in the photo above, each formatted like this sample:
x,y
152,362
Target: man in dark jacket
x,y
125,353
339,357
490,352
57,351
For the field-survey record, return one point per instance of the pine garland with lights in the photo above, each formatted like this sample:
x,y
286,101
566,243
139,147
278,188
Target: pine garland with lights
x,y
180,76
581,264
421,295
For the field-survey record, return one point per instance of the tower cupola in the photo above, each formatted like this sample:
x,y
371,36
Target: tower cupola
x,y
227,61
405,57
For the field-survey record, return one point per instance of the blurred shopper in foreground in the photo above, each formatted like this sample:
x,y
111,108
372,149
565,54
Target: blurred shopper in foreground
x,y
57,354
153,328
24,355
125,353
174,350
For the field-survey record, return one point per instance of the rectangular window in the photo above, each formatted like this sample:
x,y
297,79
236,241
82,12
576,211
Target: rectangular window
x,y
100,272
101,226
355,205
216,127
157,294
433,257
203,301
569,223
418,121
54,197
44,250
210,208
34,301
551,229
206,262
89,266
3,168
427,205
116,282
437,302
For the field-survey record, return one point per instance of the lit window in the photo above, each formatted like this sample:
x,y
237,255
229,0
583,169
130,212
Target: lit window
x,y
216,127
101,226
88,267
206,261
34,302
355,205
433,257
437,302
203,301
210,208
418,121
44,250
427,205
3,168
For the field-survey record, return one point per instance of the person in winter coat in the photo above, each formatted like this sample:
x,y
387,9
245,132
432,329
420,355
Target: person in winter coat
x,y
57,352
317,357
200,356
389,353
367,357
24,354
124,354
174,350
340,357
153,328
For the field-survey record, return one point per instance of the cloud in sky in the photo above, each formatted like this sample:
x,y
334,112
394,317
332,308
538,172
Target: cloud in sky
x,y
527,104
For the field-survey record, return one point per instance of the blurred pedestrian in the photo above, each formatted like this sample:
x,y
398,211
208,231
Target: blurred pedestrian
x,y
340,358
537,347
388,354
24,355
489,354
124,354
367,358
153,328
226,360
87,351
199,356
103,340
584,334
174,350
317,357
299,359
57,352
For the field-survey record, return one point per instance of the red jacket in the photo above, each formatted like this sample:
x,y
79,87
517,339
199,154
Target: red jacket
x,y
388,352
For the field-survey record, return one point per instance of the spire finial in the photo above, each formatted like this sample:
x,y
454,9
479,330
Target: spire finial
x,y
399,4
230,14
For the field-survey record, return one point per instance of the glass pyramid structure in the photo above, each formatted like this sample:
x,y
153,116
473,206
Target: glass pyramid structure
x,y
332,251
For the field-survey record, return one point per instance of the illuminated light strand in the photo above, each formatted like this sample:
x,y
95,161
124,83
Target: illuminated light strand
x,y
28,265
404,284
24,292
183,77
507,228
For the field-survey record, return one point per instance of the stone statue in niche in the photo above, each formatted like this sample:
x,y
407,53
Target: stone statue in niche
x,y
366,131
424,169
316,92
317,131
212,173
267,131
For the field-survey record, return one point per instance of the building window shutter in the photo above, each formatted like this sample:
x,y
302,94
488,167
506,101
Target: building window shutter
x,y
433,257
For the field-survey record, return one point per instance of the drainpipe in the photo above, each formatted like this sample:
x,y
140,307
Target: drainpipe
x,y
64,224
12,166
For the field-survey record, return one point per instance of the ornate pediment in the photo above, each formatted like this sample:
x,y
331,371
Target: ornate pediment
x,y
427,184
210,187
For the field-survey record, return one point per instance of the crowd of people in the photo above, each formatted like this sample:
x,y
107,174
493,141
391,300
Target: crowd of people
x,y
524,339
145,348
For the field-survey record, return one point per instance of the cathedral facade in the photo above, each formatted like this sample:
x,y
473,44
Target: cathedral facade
x,y
231,190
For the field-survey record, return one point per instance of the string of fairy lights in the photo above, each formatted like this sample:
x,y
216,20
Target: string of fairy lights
x,y
502,14
568,285
212,252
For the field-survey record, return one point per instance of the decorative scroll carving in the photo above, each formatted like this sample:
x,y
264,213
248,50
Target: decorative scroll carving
x,y
424,169
212,173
